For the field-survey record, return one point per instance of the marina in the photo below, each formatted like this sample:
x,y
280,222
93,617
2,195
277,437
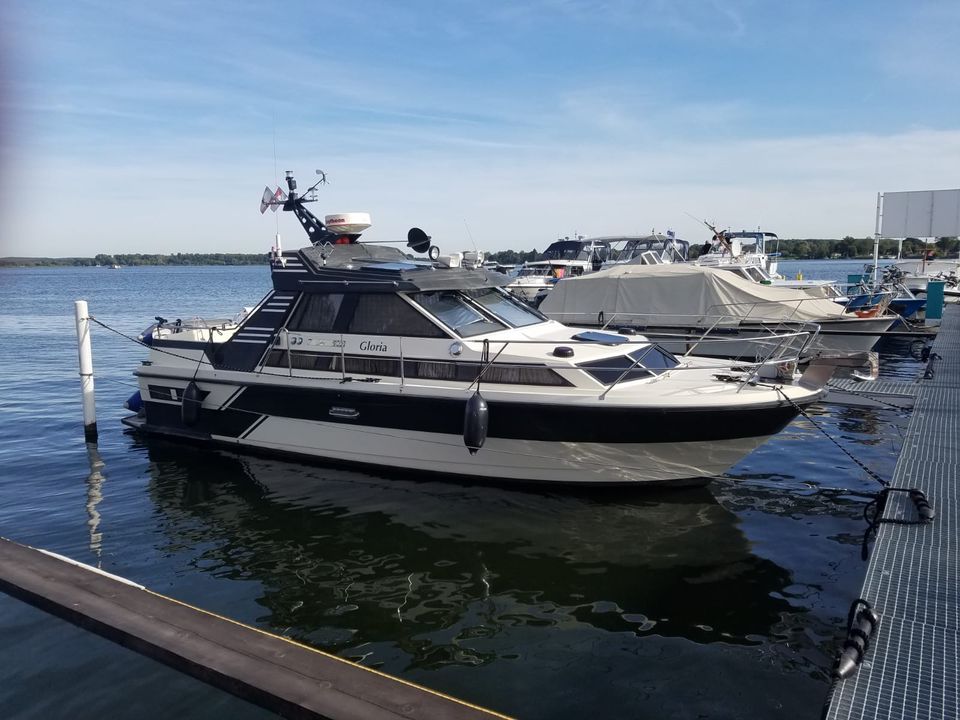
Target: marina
x,y
459,361
715,513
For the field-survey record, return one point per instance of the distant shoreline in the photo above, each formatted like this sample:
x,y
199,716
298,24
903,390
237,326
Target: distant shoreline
x,y
238,259
140,260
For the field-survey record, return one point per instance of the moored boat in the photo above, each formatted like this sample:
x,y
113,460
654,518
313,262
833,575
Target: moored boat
x,y
562,259
675,304
359,354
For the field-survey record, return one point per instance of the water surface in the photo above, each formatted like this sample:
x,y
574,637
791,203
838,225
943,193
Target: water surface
x,y
716,602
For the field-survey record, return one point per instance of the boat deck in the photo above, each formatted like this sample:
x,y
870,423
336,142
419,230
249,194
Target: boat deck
x,y
911,667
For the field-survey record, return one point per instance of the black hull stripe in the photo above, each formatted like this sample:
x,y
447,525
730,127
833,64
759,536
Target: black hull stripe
x,y
257,423
513,421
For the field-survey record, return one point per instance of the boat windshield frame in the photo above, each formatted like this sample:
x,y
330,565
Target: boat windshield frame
x,y
535,271
468,313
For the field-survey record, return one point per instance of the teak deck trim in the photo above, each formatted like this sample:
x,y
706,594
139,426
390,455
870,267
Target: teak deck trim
x,y
276,673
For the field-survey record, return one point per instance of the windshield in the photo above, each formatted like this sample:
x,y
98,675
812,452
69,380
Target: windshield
x,y
456,312
475,312
534,271
563,250
505,307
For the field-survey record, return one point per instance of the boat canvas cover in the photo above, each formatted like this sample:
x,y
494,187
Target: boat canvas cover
x,y
678,294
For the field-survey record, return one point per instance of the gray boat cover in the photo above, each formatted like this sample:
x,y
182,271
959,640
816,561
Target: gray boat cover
x,y
678,294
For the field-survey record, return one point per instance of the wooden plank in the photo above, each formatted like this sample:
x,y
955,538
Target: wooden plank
x,y
286,677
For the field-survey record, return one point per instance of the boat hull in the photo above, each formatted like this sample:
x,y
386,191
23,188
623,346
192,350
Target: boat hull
x,y
570,442
499,460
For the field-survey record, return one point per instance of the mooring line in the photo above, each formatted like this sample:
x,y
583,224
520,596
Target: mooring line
x,y
873,475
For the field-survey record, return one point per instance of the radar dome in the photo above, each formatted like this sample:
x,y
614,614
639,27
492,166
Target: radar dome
x,y
352,223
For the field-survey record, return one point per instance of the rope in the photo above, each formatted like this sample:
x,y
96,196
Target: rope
x,y
204,360
101,378
140,342
868,471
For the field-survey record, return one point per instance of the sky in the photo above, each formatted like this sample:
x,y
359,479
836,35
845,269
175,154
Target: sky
x,y
154,127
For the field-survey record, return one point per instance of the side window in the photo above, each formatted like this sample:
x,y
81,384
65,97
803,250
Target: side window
x,y
316,313
388,314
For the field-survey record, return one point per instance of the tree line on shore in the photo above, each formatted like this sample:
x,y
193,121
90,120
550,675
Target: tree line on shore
x,y
804,249
799,249
135,259
861,248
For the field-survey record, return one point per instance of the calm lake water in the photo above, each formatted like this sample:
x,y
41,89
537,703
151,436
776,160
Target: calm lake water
x,y
726,601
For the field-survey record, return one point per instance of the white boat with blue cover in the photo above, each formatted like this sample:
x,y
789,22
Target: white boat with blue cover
x,y
360,355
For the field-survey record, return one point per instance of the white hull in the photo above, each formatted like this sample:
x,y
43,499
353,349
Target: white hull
x,y
511,460
842,342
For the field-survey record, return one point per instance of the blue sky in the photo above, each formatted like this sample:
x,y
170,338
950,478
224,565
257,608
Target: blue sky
x,y
151,127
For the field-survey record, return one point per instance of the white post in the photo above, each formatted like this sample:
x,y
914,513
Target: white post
x,y
876,241
86,370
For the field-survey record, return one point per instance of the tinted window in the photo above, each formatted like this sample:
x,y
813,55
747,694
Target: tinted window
x,y
454,311
424,369
316,313
388,314
655,358
620,367
505,307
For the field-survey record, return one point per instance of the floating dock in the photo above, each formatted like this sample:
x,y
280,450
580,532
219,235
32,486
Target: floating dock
x,y
872,393
911,667
283,676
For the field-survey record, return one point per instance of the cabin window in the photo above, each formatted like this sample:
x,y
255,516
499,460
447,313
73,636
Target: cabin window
x,y
389,314
452,371
316,313
495,374
653,360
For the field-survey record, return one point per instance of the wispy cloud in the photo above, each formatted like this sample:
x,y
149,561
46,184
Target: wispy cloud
x,y
529,118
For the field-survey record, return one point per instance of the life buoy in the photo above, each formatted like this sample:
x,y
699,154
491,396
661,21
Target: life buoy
x,y
867,313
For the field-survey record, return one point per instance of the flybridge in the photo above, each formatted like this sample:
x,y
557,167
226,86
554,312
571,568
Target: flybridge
x,y
338,262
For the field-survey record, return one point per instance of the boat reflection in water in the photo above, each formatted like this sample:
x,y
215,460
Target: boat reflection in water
x,y
389,559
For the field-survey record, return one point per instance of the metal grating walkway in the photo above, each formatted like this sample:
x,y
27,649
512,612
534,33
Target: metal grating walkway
x,y
911,669
876,387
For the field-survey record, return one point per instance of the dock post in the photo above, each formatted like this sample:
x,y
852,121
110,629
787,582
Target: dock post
x,y
86,371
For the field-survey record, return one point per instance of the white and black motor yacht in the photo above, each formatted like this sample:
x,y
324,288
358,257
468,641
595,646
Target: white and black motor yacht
x,y
360,354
